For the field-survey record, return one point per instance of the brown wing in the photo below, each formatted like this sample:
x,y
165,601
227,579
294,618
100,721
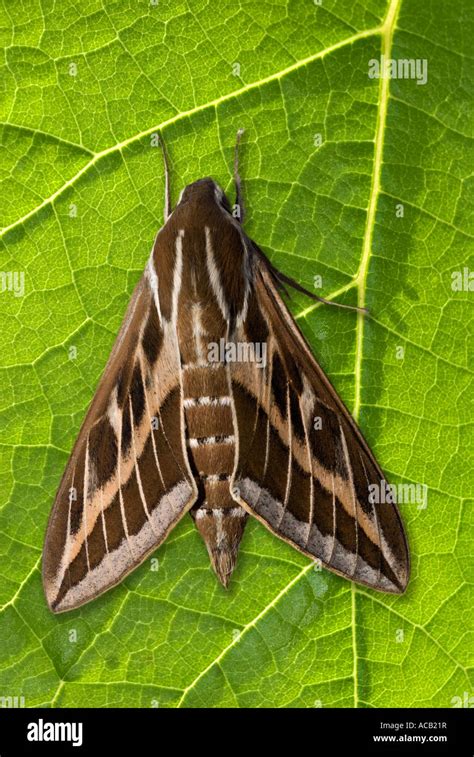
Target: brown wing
x,y
127,482
303,468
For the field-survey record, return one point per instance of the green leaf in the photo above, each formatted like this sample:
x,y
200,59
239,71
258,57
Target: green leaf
x,y
85,89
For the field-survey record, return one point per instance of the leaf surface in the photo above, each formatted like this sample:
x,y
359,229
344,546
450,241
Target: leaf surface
x,y
82,186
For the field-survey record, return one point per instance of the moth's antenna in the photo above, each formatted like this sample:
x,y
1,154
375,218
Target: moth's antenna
x,y
237,179
167,209
281,281
284,279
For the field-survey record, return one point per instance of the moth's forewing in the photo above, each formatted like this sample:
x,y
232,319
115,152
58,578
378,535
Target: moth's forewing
x,y
128,481
303,467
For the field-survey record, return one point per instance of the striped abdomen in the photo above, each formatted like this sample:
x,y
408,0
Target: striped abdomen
x,y
210,441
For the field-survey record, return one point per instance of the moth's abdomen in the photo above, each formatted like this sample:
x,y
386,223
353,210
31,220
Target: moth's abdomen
x,y
209,426
210,439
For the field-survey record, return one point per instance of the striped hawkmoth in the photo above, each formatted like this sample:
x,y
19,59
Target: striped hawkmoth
x,y
174,429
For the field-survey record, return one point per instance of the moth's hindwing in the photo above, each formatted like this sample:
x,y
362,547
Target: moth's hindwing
x,y
303,467
127,482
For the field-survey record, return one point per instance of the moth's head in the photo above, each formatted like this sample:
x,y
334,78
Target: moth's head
x,y
203,192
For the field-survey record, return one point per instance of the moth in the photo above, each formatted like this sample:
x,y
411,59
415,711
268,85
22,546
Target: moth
x,y
176,427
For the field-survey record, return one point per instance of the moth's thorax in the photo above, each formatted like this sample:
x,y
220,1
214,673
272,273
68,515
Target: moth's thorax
x,y
204,192
201,256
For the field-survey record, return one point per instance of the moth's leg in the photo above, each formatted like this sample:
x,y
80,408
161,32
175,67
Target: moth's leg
x,y
167,209
238,183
